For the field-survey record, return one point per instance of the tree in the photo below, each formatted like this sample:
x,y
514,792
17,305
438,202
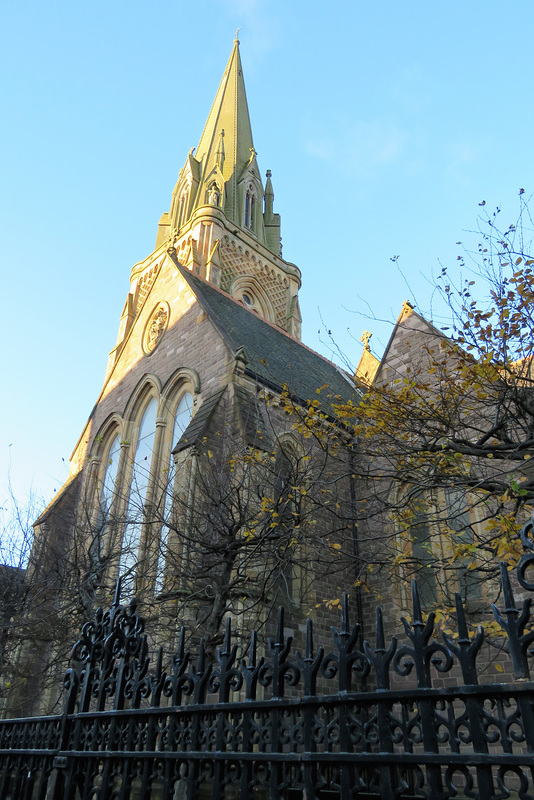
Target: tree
x,y
239,525
16,538
446,430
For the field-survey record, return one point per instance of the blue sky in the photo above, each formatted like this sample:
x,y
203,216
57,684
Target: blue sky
x,y
384,125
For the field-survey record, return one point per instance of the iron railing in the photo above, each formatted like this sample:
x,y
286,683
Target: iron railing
x,y
394,720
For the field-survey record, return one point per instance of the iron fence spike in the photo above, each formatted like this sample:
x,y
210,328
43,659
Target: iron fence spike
x,y
345,624
508,595
309,639
380,639
416,604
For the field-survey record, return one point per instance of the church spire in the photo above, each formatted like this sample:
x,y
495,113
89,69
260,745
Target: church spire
x,y
223,171
229,113
220,197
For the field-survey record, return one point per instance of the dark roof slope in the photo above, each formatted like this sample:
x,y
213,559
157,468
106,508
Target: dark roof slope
x,y
250,412
197,428
273,357
65,499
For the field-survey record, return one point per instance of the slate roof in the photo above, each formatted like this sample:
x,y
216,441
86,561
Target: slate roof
x,y
255,429
273,357
197,428
67,496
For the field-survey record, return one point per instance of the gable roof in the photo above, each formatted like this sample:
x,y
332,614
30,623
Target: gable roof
x,y
407,312
274,358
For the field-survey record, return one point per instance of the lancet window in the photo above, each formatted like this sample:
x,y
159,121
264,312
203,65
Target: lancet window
x,y
424,558
469,584
139,483
250,203
108,481
286,492
105,495
182,417
182,206
440,533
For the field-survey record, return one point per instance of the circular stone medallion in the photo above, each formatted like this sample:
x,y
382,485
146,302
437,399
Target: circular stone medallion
x,y
155,328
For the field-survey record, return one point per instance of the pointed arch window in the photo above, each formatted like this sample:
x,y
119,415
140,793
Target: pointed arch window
x,y
105,498
250,202
459,519
423,555
182,206
248,290
285,481
138,491
108,482
184,412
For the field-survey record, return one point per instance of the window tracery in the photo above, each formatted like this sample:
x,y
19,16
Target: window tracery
x,y
436,535
138,487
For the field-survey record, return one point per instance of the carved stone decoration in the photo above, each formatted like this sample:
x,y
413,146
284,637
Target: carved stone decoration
x,y
155,328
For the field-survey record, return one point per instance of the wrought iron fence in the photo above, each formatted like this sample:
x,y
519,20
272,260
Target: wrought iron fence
x,y
268,726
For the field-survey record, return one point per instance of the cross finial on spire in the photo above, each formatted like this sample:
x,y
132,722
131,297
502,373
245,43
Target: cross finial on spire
x,y
366,335
237,35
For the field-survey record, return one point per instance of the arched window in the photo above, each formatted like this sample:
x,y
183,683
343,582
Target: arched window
x,y
424,567
249,291
106,492
285,479
250,202
182,418
461,536
138,490
108,482
182,206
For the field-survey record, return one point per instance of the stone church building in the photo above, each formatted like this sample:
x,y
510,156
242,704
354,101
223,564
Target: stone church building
x,y
208,368
213,476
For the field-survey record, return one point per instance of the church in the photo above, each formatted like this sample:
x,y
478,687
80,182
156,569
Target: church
x,y
193,478
219,473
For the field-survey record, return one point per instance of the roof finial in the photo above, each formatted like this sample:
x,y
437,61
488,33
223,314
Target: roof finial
x,y
365,339
236,40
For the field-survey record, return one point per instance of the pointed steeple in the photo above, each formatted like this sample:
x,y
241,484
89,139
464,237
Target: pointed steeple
x,y
224,167
221,223
229,114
